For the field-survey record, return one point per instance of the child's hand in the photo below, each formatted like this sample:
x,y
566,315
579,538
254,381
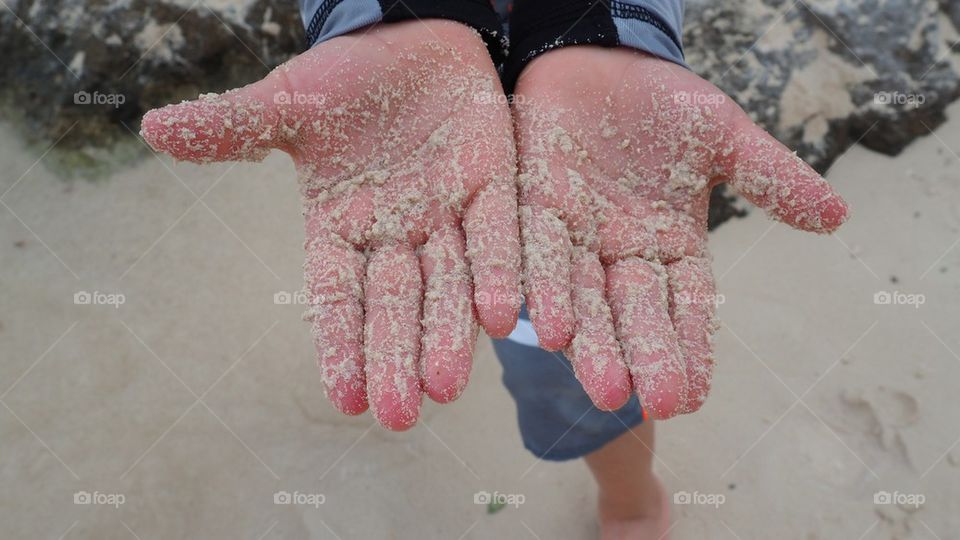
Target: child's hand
x,y
618,153
403,143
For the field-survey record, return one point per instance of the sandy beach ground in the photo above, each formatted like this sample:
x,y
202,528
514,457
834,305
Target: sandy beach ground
x,y
196,401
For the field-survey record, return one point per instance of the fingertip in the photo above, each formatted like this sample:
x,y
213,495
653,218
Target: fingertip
x,y
344,383
443,392
833,213
499,325
352,403
156,128
343,379
397,423
664,401
497,298
442,382
149,127
498,318
553,338
818,212
611,398
553,324
396,413
175,130
551,313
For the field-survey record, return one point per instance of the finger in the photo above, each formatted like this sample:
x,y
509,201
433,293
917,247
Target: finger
x,y
449,326
693,302
392,336
546,267
493,248
241,124
334,277
637,292
594,351
775,179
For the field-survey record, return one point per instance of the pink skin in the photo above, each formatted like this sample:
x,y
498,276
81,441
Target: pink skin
x,y
407,176
618,153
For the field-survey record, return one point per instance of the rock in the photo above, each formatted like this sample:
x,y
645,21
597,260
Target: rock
x,y
87,70
822,75
723,206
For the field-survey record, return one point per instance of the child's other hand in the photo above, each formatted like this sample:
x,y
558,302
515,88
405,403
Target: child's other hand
x,y
618,153
403,143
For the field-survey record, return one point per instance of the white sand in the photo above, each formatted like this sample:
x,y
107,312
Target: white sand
x,y
99,412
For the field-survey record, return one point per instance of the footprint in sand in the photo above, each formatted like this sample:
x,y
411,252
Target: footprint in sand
x,y
881,413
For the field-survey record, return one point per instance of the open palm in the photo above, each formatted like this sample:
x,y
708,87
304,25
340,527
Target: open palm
x,y
405,157
618,153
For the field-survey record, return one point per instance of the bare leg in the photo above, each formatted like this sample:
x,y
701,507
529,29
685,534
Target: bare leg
x,y
631,502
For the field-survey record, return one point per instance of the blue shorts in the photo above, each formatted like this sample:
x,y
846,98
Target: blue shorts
x,y
556,417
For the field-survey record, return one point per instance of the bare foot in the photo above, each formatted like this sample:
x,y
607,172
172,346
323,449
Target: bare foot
x,y
646,518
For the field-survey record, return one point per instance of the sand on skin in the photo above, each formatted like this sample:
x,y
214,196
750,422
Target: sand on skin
x,y
199,298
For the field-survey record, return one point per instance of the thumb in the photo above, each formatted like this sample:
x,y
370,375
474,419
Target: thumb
x,y
772,177
240,124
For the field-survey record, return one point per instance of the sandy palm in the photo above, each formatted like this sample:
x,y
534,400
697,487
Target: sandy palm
x,y
618,153
406,160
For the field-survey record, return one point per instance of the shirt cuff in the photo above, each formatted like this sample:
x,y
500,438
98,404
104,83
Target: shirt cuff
x,y
537,26
327,19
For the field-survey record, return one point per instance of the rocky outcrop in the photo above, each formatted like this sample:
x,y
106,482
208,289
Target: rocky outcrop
x,y
106,62
824,74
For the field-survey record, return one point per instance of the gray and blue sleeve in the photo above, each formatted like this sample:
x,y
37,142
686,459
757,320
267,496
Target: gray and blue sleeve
x,y
537,26
327,19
